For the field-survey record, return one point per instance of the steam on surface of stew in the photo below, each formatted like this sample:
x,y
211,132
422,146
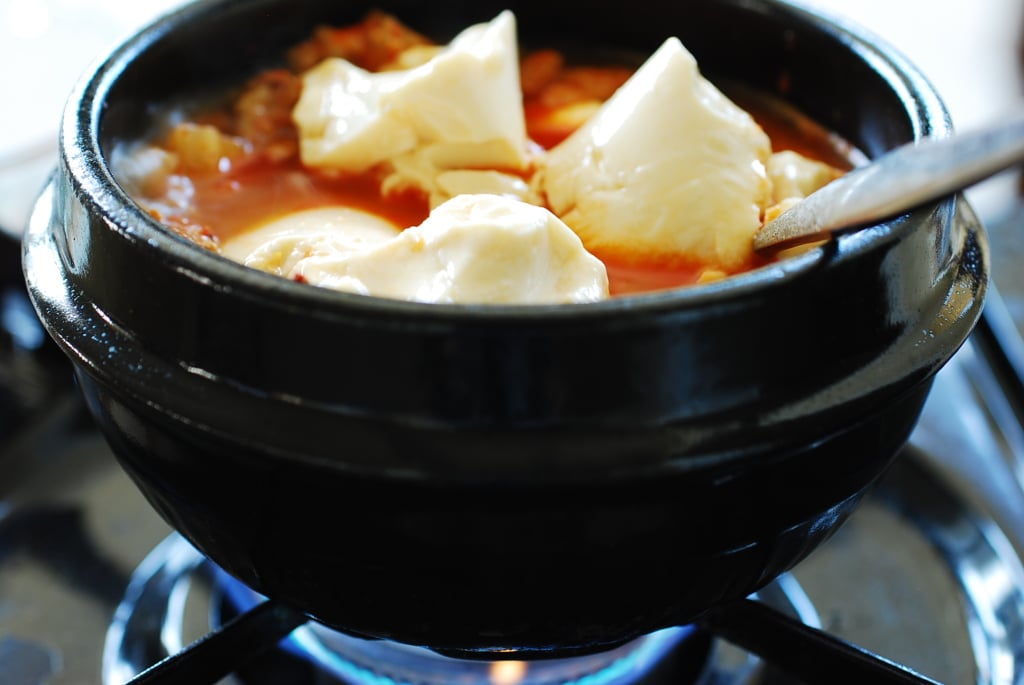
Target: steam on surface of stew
x,y
381,163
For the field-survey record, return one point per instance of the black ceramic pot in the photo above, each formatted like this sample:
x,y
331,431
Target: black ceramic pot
x,y
476,478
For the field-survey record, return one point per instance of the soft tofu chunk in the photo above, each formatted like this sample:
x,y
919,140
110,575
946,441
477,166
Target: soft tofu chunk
x,y
441,184
472,249
794,176
327,232
667,168
462,108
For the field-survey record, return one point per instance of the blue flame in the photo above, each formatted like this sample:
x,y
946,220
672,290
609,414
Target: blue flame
x,y
363,662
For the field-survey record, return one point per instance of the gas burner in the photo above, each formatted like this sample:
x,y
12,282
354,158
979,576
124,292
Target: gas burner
x,y
177,595
375,662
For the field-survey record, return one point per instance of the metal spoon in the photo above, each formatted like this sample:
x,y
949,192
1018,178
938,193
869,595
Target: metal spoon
x,y
898,181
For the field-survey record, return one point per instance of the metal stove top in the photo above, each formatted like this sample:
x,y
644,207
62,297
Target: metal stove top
x,y
927,572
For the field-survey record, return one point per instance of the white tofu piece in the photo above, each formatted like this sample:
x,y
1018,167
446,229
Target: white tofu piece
x,y
462,107
326,232
477,248
440,184
794,176
668,168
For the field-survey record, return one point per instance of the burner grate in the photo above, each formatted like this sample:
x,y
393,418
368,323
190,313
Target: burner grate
x,y
771,625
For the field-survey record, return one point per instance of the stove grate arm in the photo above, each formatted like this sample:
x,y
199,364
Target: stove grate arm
x,y
221,652
811,655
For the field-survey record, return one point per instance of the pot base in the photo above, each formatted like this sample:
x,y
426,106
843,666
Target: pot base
x,y
468,570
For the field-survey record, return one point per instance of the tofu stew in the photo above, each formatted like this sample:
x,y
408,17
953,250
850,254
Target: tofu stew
x,y
379,162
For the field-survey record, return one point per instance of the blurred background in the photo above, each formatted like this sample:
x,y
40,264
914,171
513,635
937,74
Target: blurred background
x,y
970,49
44,46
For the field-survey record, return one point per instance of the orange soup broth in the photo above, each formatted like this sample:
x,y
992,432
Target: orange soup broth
x,y
263,191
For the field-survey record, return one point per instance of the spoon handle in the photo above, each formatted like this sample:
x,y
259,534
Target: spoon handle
x,y
899,181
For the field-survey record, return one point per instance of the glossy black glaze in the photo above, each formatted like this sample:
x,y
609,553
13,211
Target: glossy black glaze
x,y
474,478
